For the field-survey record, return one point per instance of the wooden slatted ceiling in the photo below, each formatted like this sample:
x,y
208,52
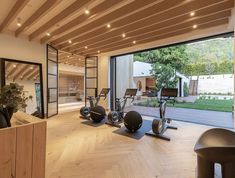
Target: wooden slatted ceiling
x,y
21,71
58,22
71,59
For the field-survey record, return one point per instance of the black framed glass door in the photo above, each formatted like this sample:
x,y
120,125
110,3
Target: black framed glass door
x,y
52,81
91,76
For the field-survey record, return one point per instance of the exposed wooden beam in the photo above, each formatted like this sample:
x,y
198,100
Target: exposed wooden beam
x,y
13,69
121,13
74,7
20,72
96,12
27,72
33,74
165,18
45,7
18,6
163,36
160,29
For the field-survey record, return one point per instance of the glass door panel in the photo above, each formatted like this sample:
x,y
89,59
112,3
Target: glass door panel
x,y
52,81
91,77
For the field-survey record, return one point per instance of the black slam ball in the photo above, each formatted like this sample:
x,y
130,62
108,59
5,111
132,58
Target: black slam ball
x,y
97,113
133,121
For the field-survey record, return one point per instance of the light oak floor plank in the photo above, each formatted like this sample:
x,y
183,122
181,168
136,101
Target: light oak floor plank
x,y
77,150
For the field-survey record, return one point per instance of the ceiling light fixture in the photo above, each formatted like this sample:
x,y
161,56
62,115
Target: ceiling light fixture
x,y
123,35
87,12
194,26
70,41
31,67
86,47
18,23
14,66
98,51
134,42
108,26
192,14
48,34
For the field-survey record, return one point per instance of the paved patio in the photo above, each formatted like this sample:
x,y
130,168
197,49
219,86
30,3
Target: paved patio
x,y
212,118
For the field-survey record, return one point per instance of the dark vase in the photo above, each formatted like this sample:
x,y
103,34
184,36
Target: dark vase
x,y
10,111
8,114
3,119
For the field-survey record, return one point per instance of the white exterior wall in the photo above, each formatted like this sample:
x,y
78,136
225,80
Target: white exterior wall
x,y
216,83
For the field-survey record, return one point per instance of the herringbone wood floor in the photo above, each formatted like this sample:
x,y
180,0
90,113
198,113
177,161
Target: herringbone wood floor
x,y
76,150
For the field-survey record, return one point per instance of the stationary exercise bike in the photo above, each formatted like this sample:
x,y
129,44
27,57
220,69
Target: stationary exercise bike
x,y
159,126
115,118
93,102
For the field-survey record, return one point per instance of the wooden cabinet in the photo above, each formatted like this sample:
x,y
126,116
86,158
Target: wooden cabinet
x,y
23,148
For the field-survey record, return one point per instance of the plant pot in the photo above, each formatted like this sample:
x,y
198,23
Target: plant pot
x,y
10,111
3,119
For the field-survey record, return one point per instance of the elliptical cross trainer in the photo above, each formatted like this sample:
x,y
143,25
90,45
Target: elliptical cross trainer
x,y
85,110
115,118
159,126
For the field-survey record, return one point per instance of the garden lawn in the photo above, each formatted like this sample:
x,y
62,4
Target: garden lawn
x,y
206,104
202,104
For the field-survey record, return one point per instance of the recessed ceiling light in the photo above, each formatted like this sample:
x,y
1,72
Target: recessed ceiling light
x,y
192,14
31,67
70,41
14,66
18,22
86,47
48,34
98,51
123,35
194,26
134,42
108,26
87,12
68,56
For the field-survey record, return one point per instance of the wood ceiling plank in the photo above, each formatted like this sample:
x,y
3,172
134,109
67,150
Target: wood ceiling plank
x,y
33,74
19,73
164,36
180,12
39,13
16,9
160,29
74,7
96,12
118,14
27,72
13,70
8,64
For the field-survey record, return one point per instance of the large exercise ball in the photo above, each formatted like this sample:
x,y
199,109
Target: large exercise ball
x,y
84,111
133,121
97,113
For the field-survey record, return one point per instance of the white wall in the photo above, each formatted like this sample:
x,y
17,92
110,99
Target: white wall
x,y
24,50
216,83
103,78
124,77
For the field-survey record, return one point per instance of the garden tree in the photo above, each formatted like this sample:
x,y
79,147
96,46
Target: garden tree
x,y
164,75
165,62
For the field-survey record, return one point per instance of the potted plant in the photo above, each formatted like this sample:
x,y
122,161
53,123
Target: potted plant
x,y
13,98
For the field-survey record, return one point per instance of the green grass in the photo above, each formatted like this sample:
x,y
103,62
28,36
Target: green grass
x,y
202,104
